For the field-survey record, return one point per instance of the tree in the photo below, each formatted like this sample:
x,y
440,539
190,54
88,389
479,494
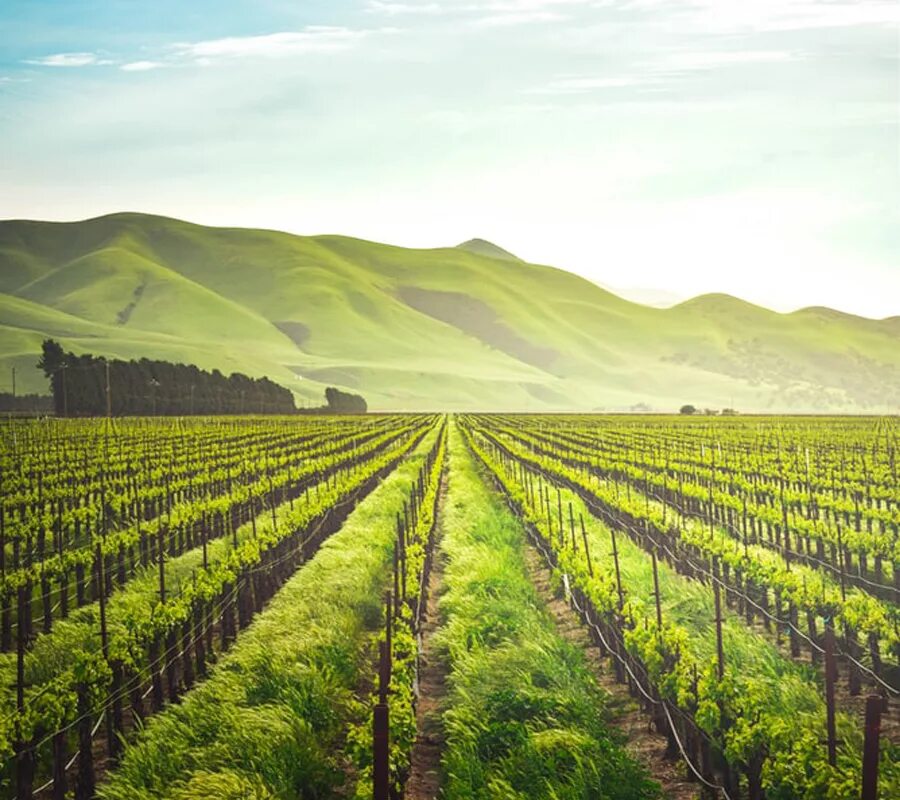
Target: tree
x,y
343,402
53,363
688,409
155,387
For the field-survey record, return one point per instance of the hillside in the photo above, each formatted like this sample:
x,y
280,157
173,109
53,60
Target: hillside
x,y
482,247
453,328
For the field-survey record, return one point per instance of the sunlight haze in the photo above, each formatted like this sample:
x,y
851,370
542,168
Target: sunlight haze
x,y
683,147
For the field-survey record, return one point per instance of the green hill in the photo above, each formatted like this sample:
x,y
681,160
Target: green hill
x,y
468,327
482,247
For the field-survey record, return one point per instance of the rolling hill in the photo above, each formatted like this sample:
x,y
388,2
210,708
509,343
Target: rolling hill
x,y
467,327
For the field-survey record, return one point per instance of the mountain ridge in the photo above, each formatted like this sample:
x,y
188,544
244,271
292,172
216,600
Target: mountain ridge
x,y
426,328
485,248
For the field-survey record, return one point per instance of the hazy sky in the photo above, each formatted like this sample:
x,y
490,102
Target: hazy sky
x,y
745,146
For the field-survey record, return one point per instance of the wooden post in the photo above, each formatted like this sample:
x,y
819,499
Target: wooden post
x,y
830,676
720,651
615,553
840,561
572,528
24,756
874,705
60,784
162,565
388,615
562,538
204,535
396,592
5,611
656,590
587,552
381,728
84,785
155,676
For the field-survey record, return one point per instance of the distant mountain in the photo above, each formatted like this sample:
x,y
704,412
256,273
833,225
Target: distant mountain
x,y
658,298
448,328
482,247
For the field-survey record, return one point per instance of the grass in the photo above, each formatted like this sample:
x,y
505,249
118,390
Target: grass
x,y
525,717
760,675
216,297
266,722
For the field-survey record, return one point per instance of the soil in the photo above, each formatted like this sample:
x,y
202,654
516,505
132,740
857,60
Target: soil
x,y
424,780
647,746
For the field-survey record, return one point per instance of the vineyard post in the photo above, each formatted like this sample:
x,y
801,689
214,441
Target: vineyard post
x,y
5,613
572,527
720,652
60,784
84,785
203,538
396,568
381,729
587,552
874,705
549,514
841,563
111,732
162,565
24,757
656,591
830,675
562,538
388,613
615,554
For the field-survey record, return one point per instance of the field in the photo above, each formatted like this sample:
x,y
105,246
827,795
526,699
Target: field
x,y
452,328
463,606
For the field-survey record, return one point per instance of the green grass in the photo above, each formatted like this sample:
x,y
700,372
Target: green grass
x,y
266,723
219,298
760,676
525,718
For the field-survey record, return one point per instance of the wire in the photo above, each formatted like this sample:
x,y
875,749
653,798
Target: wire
x,y
164,658
595,508
537,540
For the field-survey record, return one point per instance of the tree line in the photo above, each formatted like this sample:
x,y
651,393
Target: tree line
x,y
87,385
25,403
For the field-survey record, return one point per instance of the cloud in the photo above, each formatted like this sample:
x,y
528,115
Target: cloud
x,y
312,39
395,9
141,66
710,59
68,60
732,16
516,18
491,13
663,70
581,84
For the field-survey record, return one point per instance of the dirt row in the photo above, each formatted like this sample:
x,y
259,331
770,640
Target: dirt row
x,y
644,743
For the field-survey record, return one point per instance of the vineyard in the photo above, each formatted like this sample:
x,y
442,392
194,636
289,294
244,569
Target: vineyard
x,y
458,606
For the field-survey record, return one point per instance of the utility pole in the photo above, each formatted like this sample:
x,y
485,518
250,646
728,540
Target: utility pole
x,y
65,389
108,396
14,381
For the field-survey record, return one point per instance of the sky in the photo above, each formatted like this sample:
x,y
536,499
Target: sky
x,y
687,146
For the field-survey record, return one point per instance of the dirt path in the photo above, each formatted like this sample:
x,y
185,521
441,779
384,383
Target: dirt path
x,y
425,761
644,744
